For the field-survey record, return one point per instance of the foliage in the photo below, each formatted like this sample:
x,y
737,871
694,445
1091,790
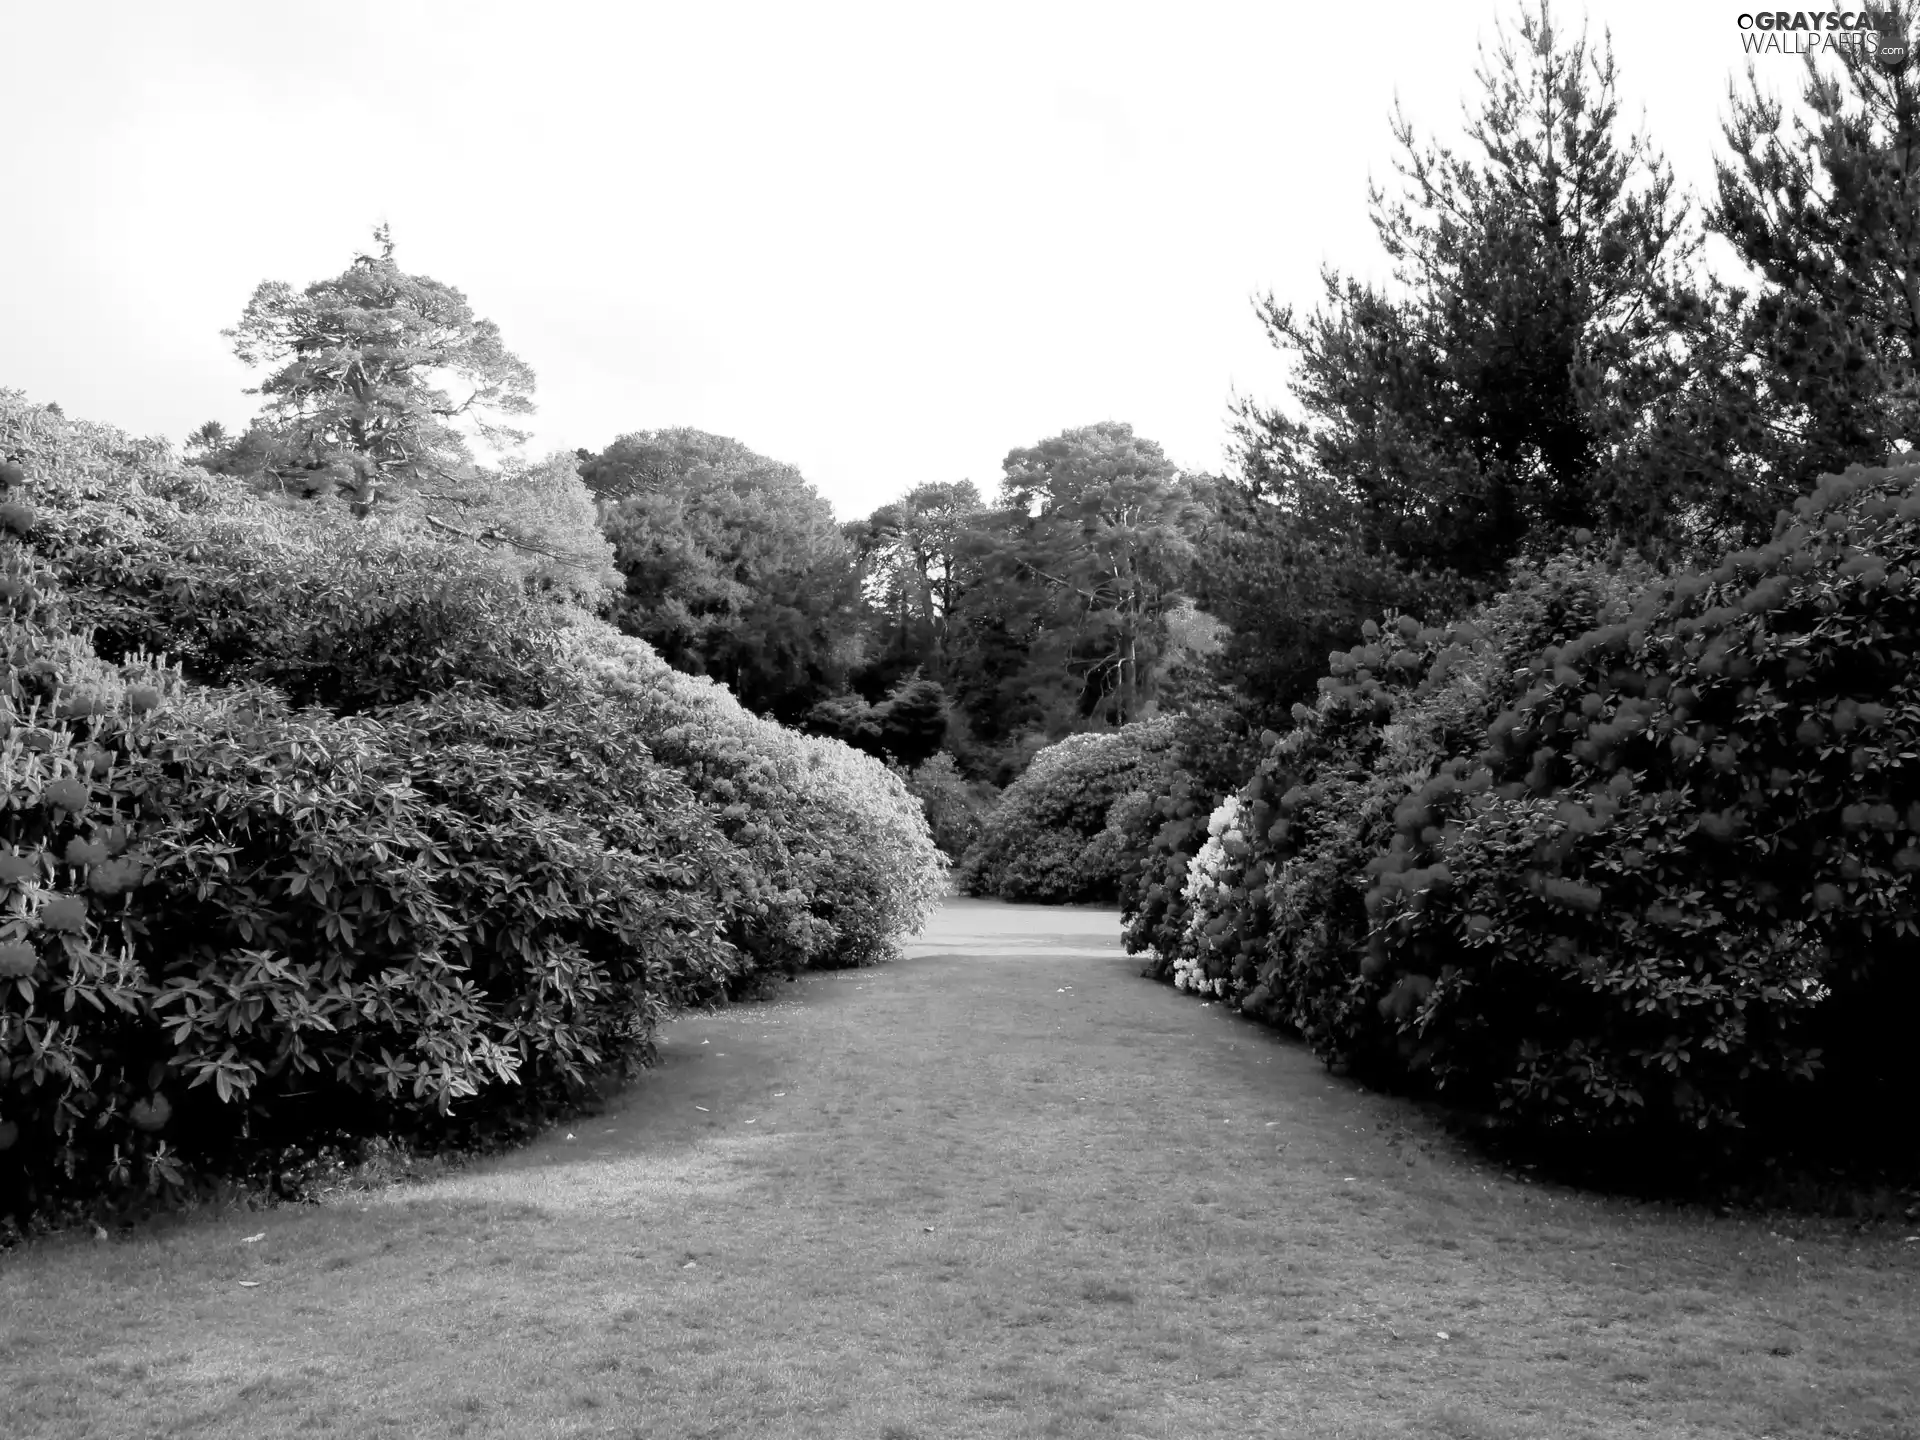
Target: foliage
x,y
908,727
733,564
1212,751
1528,372
1054,610
350,615
1820,363
840,849
1291,588
956,808
1098,535
1450,413
227,921
1054,835
1617,856
919,557
454,892
539,520
357,394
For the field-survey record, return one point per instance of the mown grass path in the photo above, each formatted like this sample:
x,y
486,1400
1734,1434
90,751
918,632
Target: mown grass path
x,y
1004,1187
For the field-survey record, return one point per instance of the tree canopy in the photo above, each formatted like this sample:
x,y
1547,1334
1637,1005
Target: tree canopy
x,y
1522,377
1098,533
370,377
734,566
1820,367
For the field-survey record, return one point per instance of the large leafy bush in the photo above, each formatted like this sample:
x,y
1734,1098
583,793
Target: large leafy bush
x,y
1058,832
437,849
1209,756
226,920
841,850
235,587
1617,856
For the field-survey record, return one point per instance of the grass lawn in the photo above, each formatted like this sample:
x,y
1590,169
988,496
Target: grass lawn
x,y
988,1191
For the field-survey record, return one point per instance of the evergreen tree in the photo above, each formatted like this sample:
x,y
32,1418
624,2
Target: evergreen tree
x,y
1822,203
1506,385
371,377
1095,546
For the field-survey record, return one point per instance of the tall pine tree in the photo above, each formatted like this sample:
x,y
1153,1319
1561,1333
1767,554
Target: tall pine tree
x,y
1516,380
1822,202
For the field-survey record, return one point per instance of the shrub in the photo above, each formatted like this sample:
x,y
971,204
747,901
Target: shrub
x,y
955,807
1620,857
1161,830
452,892
360,616
1048,838
226,922
907,728
842,851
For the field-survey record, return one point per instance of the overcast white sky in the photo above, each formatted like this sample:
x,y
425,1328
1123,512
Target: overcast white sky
x,y
886,243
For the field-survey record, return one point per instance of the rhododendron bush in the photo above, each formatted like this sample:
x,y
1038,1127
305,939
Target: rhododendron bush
x,y
842,852
1210,755
398,840
1623,853
1058,833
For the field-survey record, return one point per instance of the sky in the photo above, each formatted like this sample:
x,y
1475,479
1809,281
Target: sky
x,y
885,243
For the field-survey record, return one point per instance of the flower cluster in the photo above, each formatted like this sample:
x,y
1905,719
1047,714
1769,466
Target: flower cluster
x,y
1211,879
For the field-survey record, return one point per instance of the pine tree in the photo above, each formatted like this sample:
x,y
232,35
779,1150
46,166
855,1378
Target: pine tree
x,y
1503,387
1822,203
356,386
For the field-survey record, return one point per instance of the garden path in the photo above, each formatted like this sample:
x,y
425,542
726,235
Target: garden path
x,y
1001,1187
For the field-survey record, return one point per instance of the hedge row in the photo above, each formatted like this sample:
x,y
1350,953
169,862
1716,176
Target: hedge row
x,y
386,840
1624,855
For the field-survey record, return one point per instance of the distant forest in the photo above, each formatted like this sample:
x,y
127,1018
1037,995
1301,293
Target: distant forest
x,y
1550,356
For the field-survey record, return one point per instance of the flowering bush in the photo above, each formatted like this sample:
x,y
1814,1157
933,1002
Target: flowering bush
x,y
841,851
454,891
1049,836
1212,881
1210,756
1621,854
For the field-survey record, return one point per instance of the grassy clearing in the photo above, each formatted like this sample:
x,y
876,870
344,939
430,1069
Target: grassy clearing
x,y
742,1248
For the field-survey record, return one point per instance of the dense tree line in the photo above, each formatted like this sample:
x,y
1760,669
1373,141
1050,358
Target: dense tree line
x,y
1547,354
942,620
